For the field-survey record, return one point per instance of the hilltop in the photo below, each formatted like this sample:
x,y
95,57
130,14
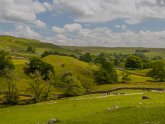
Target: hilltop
x,y
18,46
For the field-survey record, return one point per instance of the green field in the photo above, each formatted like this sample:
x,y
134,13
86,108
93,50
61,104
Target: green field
x,y
86,109
18,46
91,109
118,50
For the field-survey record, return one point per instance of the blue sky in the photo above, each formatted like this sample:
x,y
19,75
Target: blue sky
x,y
109,23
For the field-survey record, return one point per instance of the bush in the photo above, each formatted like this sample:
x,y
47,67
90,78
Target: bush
x,y
72,85
41,88
125,77
86,58
36,64
6,63
158,70
30,49
133,62
12,95
107,74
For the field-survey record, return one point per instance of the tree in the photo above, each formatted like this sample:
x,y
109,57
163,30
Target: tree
x,y
6,71
41,88
6,63
101,58
86,58
133,62
106,74
72,85
36,64
12,95
158,70
30,49
125,77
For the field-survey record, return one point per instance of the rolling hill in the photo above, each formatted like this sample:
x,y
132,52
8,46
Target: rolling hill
x,y
151,52
82,70
18,46
62,64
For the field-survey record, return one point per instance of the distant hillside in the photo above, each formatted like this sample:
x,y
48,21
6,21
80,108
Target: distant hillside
x,y
82,70
124,50
18,46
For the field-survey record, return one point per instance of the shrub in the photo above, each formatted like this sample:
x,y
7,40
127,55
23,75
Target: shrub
x,y
12,95
158,70
72,85
30,49
6,63
125,77
106,74
36,64
133,62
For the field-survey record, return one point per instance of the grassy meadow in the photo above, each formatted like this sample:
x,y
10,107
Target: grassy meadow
x,y
91,109
85,109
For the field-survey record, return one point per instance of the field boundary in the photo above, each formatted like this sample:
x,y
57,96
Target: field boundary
x,y
126,88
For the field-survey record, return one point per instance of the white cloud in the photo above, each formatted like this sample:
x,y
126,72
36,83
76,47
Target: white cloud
x,y
105,37
39,23
21,11
58,30
72,27
23,31
117,26
67,28
47,5
132,11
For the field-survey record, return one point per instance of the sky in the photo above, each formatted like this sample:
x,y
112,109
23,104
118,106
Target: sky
x,y
107,23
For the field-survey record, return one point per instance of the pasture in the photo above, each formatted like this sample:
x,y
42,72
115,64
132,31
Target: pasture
x,y
92,109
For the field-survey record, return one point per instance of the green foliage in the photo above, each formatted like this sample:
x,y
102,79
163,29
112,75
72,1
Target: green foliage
x,y
46,53
125,77
146,63
12,95
158,70
72,85
6,63
157,58
83,71
41,88
101,58
36,64
30,49
133,62
107,74
86,58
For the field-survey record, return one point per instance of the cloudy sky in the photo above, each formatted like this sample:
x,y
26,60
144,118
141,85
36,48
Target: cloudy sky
x,y
109,23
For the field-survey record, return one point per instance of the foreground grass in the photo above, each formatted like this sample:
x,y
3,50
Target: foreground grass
x,y
91,110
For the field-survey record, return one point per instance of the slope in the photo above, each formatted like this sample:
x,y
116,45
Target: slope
x,y
18,46
82,70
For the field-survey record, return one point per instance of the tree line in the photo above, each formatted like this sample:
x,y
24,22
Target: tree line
x,y
43,74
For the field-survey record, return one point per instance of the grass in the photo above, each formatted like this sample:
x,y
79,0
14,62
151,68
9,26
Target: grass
x,y
91,109
136,81
119,50
87,109
62,64
18,46
19,77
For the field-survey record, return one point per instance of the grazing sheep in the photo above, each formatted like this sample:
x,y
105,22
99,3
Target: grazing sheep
x,y
52,121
